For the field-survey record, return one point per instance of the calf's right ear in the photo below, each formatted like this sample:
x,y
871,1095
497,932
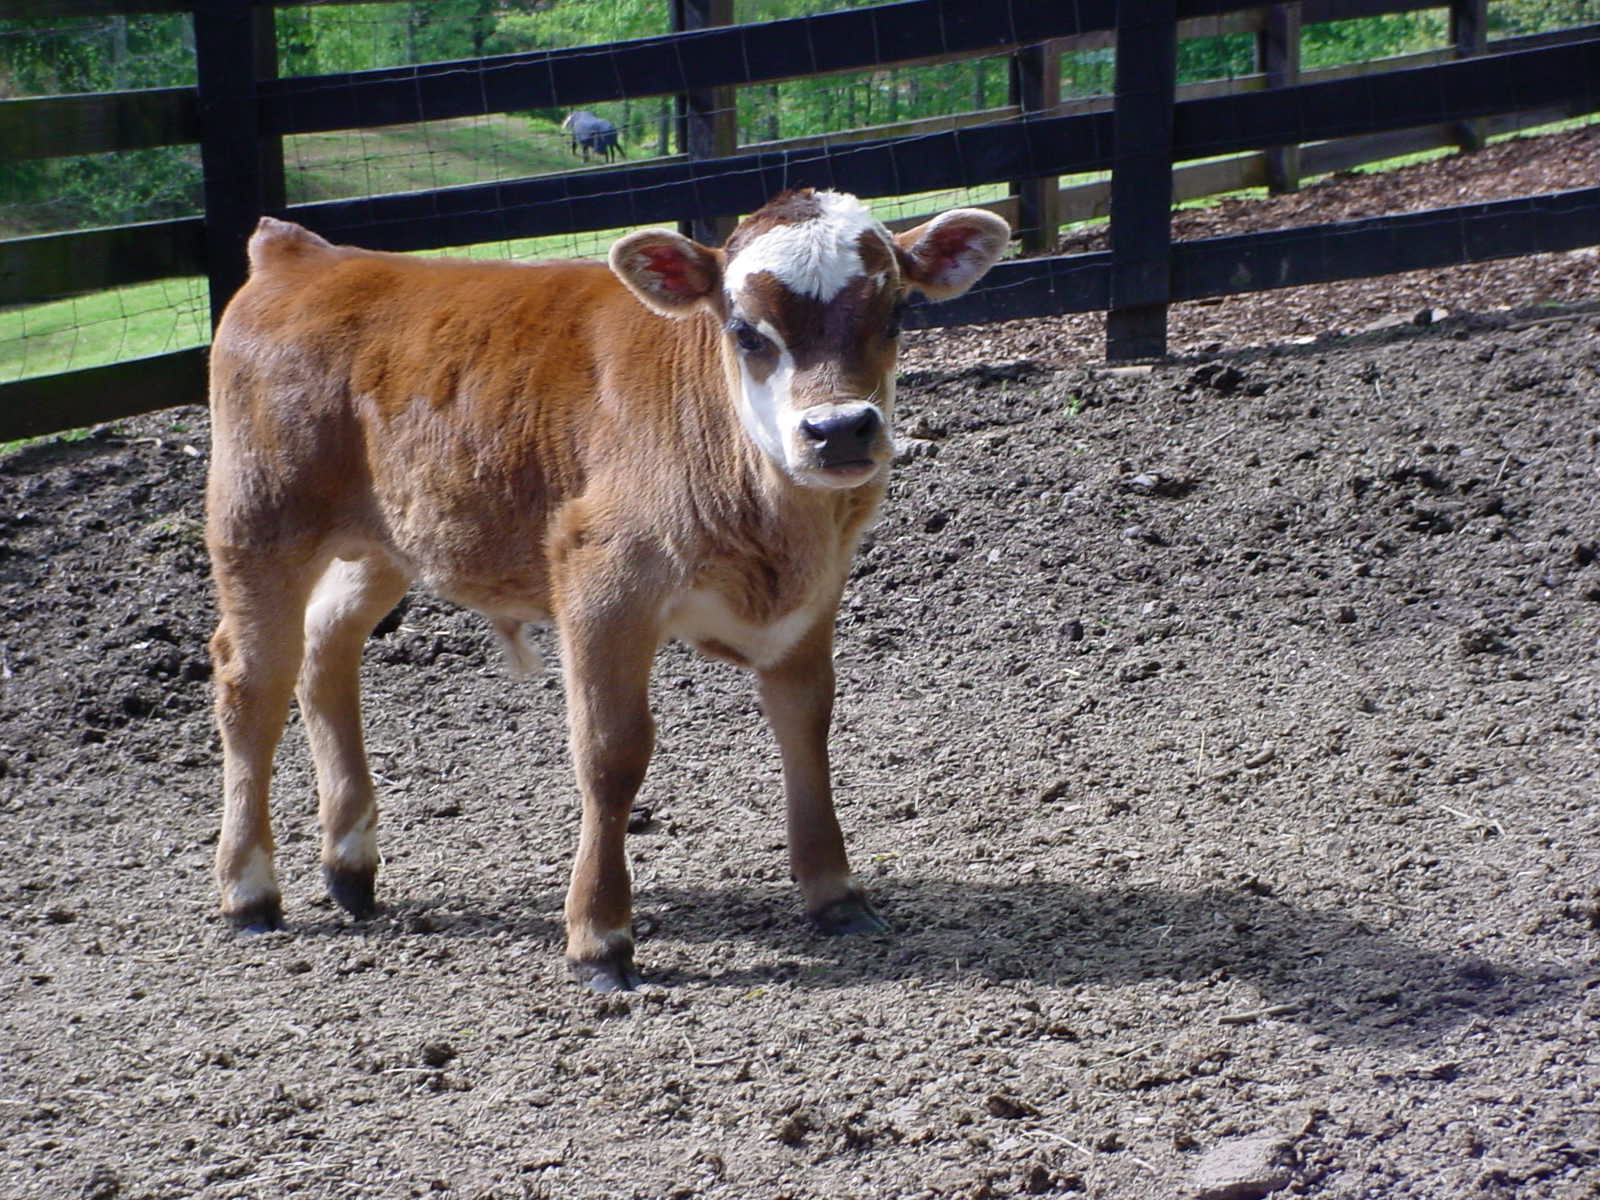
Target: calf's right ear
x,y
667,271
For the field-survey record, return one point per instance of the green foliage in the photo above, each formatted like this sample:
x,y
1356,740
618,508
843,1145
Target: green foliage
x,y
1509,18
1224,57
69,55
1333,43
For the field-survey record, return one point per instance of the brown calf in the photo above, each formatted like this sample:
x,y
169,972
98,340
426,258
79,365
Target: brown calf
x,y
547,443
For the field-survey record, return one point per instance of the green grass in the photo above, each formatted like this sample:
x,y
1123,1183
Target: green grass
x,y
104,327
409,158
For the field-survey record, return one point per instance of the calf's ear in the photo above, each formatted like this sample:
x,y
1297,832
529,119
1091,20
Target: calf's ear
x,y
667,271
945,256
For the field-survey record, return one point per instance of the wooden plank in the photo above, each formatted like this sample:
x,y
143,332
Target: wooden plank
x,y
1386,245
51,10
663,191
708,124
637,194
1035,90
73,399
1486,86
1278,54
84,261
94,122
1043,287
274,185
52,265
1355,10
771,51
1469,35
1325,158
1141,180
225,56
1030,287
1194,181
920,127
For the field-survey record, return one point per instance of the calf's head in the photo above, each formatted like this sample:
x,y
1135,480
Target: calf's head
x,y
809,291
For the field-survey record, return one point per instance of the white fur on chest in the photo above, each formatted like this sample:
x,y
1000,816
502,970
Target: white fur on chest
x,y
703,616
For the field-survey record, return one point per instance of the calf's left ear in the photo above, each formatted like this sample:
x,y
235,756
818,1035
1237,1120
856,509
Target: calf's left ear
x,y
945,256
667,271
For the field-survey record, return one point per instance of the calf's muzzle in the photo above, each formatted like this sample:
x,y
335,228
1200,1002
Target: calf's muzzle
x,y
842,434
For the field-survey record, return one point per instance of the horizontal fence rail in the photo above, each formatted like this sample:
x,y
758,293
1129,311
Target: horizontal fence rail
x,y
85,261
1332,117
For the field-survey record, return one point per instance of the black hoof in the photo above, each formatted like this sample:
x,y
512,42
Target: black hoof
x,y
353,891
264,916
614,974
848,917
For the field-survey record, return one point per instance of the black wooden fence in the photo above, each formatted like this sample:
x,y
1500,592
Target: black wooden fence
x,y
239,116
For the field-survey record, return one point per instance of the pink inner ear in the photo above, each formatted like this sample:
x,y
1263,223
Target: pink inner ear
x,y
945,247
669,267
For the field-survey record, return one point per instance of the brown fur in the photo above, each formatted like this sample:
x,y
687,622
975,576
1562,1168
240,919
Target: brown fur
x,y
534,442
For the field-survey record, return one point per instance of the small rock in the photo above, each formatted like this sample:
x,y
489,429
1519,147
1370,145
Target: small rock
x,y
437,1054
908,448
1036,1179
1244,1169
1479,640
1055,791
1009,1108
1138,671
1222,378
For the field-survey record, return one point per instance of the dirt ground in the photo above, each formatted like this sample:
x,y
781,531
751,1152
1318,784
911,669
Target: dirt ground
x,y
1220,739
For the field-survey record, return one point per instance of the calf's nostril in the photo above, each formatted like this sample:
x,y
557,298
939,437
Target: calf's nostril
x,y
865,425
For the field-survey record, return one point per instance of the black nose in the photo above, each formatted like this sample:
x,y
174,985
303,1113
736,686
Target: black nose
x,y
844,437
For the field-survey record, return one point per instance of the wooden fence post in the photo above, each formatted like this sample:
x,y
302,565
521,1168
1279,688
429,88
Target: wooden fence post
x,y
1141,178
1278,58
1036,90
230,153
708,125
274,192
1469,34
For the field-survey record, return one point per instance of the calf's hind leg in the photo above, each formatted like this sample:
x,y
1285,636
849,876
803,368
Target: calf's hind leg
x,y
256,653
350,598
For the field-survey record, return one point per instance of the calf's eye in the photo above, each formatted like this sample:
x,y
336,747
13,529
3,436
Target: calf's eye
x,y
749,338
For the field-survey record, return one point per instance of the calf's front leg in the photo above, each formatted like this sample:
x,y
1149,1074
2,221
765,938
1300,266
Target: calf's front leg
x,y
612,734
797,697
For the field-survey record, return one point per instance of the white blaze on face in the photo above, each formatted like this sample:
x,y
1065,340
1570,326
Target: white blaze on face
x,y
814,258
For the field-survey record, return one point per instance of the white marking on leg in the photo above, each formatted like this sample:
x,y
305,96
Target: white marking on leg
x,y
358,849
255,883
